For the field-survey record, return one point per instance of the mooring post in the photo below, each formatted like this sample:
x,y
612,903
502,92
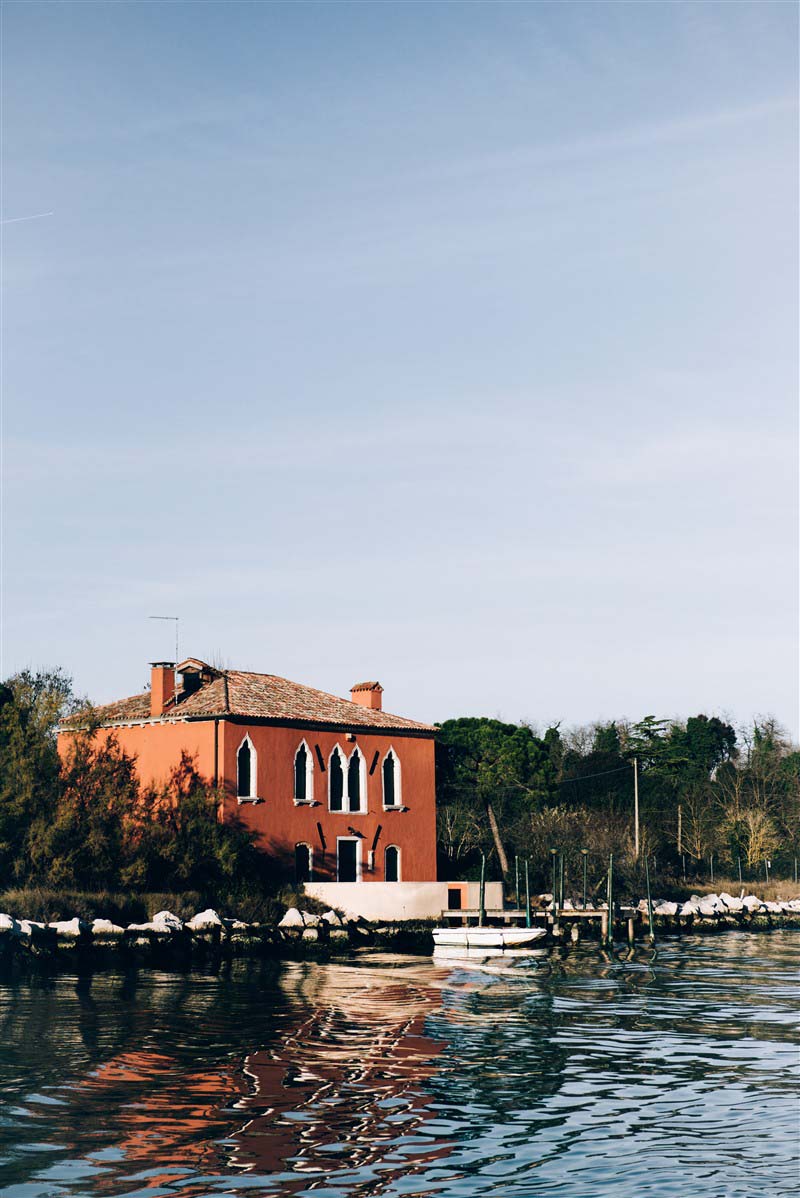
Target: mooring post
x,y
631,937
516,877
527,896
482,901
739,862
610,898
683,859
603,926
711,863
584,854
553,855
795,871
649,902
561,880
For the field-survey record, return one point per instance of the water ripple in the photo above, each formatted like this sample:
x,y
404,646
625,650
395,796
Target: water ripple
x,y
638,1073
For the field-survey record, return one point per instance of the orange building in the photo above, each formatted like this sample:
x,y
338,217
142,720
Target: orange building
x,y
340,788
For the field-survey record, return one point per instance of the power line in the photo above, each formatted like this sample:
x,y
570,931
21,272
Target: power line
x,y
509,786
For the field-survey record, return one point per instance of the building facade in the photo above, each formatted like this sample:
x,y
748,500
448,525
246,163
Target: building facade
x,y
335,790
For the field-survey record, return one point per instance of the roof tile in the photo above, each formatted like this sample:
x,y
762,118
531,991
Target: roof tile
x,y
257,696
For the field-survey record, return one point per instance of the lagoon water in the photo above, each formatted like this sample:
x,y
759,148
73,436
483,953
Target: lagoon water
x,y
674,1073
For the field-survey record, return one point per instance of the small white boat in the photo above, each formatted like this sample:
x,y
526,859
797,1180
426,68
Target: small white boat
x,y
501,938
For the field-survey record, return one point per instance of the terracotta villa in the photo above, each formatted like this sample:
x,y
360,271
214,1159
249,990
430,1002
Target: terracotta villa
x,y
341,787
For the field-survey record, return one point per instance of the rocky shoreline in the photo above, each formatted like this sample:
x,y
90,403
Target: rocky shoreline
x,y
167,941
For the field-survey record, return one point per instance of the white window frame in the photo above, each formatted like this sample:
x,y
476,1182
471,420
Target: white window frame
x,y
303,844
309,799
362,788
343,759
398,782
253,796
399,852
359,862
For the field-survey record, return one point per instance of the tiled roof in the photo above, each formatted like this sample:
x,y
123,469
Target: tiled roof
x,y
258,696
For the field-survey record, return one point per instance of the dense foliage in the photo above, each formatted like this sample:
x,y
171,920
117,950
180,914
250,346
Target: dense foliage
x,y
87,823
706,796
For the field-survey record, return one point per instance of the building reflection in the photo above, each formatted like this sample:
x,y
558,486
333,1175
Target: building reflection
x,y
337,1094
353,1075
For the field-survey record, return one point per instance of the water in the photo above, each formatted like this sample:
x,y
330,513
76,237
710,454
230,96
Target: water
x,y
632,1075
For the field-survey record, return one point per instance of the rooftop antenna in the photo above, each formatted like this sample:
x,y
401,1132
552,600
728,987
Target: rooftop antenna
x,y
176,619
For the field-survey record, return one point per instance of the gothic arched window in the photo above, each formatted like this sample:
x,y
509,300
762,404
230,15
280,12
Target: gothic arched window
x,y
335,781
246,770
303,775
354,782
391,780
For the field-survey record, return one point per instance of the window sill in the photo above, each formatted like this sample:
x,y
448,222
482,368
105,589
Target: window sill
x,y
396,807
362,811
306,802
243,799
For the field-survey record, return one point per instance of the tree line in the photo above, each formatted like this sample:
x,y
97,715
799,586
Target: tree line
x,y
707,793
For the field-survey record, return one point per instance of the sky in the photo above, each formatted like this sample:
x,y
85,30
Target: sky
x,y
453,345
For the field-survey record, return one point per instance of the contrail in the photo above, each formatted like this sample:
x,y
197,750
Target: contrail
x,y
36,216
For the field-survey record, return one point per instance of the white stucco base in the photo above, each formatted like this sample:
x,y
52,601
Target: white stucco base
x,y
399,900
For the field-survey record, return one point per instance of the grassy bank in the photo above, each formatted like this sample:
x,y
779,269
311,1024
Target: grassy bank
x,y
45,904
773,891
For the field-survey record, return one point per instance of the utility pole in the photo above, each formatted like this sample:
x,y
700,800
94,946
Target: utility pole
x,y
680,831
636,807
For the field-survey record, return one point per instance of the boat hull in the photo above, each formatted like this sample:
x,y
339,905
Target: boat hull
x,y
501,938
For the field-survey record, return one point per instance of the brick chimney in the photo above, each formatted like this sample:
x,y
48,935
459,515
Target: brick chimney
x,y
367,694
162,686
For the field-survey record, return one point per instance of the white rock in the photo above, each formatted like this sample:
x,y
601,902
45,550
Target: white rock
x,y
69,927
568,905
165,921
26,926
690,908
774,908
751,902
292,919
332,918
9,924
143,927
733,904
205,919
666,908
708,909
793,904
104,927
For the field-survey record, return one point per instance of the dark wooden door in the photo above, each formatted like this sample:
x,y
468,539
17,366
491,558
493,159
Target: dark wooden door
x,y
347,870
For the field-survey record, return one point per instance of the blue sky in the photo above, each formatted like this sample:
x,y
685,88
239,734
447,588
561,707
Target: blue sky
x,y
453,345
